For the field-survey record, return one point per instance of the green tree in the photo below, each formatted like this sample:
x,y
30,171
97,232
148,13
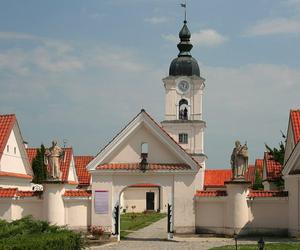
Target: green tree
x,y
257,185
277,154
38,166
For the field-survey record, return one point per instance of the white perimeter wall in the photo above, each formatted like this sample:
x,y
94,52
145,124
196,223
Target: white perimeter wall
x,y
16,209
78,213
265,215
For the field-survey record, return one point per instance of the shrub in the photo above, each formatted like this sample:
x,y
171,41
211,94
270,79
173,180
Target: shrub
x,y
28,233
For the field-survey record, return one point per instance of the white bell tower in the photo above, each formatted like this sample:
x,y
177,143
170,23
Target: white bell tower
x,y
183,100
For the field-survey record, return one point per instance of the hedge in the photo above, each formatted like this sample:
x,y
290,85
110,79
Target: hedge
x,y
28,233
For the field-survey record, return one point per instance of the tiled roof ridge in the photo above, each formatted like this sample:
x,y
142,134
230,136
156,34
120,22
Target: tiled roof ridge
x,y
17,175
77,193
164,164
15,192
135,166
265,193
211,193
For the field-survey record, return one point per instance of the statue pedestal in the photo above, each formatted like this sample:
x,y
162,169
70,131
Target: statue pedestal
x,y
53,201
236,206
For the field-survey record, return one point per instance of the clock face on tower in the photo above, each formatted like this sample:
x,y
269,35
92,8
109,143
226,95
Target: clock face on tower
x,y
183,86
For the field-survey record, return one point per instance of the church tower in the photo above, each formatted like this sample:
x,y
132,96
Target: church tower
x,y
183,100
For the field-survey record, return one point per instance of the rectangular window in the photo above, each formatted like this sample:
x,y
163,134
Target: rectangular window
x,y
101,201
15,150
7,148
183,138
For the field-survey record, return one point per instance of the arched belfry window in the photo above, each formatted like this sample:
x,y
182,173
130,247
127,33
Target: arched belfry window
x,y
183,109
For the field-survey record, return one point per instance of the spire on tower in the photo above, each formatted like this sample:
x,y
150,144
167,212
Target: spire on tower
x,y
184,46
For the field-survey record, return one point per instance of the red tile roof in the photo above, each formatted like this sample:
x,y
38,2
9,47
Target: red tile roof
x,y
14,192
28,193
250,174
295,119
145,185
259,164
16,175
255,193
273,168
64,161
216,177
211,193
83,175
31,154
6,124
77,193
8,192
259,167
136,166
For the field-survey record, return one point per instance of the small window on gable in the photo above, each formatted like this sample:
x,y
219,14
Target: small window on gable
x,y
7,148
183,138
145,148
15,150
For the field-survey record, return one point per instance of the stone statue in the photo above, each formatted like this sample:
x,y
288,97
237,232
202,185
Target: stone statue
x,y
239,160
52,157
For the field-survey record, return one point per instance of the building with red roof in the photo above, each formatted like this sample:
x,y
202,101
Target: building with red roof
x,y
271,172
15,169
84,177
215,178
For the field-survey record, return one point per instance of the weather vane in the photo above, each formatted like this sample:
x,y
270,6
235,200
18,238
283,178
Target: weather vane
x,y
184,6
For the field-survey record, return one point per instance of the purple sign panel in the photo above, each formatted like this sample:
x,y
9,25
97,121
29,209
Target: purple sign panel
x,y
101,201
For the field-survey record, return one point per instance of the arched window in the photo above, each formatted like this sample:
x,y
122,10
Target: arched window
x,y
183,109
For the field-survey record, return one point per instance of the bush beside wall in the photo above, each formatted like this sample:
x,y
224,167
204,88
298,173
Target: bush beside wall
x,y
28,233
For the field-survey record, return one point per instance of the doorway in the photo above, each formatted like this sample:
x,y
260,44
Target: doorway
x,y
150,201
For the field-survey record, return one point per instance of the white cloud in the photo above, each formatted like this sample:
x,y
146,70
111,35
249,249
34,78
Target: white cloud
x,y
249,103
156,20
17,36
205,38
114,59
274,26
170,38
209,38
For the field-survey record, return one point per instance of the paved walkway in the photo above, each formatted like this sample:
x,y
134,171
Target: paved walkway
x,y
154,237
155,231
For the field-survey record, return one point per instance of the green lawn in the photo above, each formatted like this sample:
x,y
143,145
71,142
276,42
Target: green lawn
x,y
133,221
268,246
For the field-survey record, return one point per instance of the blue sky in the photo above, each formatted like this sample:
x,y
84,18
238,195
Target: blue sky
x,y
80,70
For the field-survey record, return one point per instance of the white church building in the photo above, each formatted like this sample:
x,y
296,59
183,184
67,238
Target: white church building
x,y
152,166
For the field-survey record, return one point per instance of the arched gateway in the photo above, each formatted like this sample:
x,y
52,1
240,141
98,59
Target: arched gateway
x,y
170,155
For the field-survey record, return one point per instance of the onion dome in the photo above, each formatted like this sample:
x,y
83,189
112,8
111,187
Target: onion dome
x,y
184,64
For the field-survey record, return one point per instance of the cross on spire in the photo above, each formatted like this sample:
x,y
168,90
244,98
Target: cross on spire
x,y
184,6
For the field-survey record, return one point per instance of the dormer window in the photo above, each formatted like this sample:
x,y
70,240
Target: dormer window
x,y
183,138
